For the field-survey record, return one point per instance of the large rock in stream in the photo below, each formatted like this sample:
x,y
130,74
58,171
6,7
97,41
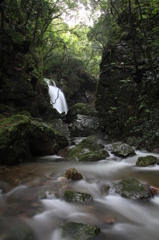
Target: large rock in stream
x,y
122,150
78,231
22,136
88,150
132,189
84,126
146,161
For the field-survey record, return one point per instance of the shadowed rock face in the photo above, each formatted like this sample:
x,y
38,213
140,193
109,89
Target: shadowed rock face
x,y
84,126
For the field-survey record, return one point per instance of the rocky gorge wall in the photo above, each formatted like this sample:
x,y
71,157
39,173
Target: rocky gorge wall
x,y
127,97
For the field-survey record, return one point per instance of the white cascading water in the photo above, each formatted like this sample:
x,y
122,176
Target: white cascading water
x,y
57,97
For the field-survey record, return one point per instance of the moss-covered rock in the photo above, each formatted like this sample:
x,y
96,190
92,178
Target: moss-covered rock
x,y
71,196
122,149
78,231
146,161
44,139
21,136
79,108
14,139
72,173
132,189
87,150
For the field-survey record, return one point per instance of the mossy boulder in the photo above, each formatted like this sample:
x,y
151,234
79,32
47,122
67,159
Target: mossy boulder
x,y
87,150
44,139
72,173
122,150
71,196
78,231
22,136
132,189
146,161
14,139
79,108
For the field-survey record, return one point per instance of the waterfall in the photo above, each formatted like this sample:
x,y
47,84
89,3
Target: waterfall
x,y
57,97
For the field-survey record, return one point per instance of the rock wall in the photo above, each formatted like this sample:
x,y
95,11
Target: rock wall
x,y
126,98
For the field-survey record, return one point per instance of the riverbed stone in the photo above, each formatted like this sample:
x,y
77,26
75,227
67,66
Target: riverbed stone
x,y
71,196
73,174
78,231
132,189
122,150
84,126
87,150
146,161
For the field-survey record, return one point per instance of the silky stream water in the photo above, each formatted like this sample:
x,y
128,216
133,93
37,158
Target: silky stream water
x,y
24,209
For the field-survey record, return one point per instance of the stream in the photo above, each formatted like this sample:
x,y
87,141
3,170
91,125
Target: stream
x,y
31,199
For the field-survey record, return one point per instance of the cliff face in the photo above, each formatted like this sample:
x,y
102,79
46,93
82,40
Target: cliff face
x,y
22,87
127,97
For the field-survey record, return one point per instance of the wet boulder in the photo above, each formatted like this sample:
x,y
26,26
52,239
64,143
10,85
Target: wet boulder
x,y
132,189
72,173
122,150
78,231
146,161
44,139
84,126
71,196
87,150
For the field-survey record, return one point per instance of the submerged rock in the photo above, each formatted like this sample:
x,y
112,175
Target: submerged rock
x,y
72,173
132,189
84,126
88,150
71,196
78,231
122,149
146,161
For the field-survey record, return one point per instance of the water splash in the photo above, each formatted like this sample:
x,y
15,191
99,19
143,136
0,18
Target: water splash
x,y
57,97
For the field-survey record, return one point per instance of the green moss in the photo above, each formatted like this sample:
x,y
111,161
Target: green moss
x,y
78,231
71,196
134,189
146,161
87,150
